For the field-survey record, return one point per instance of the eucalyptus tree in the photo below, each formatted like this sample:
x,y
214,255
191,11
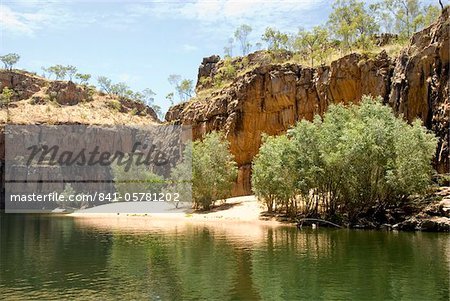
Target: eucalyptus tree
x,y
213,170
9,60
241,35
275,39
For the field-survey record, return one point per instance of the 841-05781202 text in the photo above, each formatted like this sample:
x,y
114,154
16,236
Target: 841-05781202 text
x,y
146,197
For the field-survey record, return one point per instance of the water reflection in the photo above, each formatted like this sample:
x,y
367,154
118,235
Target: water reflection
x,y
54,258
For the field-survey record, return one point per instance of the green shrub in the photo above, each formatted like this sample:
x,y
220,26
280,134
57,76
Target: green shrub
x,y
213,170
272,179
354,159
226,73
115,105
134,111
205,80
228,70
218,81
91,90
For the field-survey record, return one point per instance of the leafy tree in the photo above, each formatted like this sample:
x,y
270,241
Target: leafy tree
x,y
105,84
407,15
241,35
184,87
364,20
6,96
213,170
121,89
342,19
148,97
350,20
83,78
71,71
272,180
382,17
174,79
308,165
356,158
313,44
9,60
228,50
169,97
430,15
59,71
275,39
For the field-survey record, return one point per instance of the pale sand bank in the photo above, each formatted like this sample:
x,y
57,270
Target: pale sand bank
x,y
236,210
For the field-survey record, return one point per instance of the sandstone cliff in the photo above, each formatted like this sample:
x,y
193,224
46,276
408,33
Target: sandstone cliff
x,y
271,97
37,100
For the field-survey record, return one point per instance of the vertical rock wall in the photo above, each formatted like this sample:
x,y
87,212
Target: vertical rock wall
x,y
273,97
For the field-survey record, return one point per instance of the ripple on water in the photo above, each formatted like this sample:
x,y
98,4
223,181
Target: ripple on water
x,y
56,259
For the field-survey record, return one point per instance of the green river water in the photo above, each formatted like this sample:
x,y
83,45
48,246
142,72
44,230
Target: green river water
x,y
45,257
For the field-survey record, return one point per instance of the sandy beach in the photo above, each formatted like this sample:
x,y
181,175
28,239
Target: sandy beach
x,y
238,210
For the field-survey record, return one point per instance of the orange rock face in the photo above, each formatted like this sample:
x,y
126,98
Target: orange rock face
x,y
420,83
273,97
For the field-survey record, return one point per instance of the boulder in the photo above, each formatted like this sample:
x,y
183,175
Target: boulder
x,y
435,224
444,207
67,93
206,69
23,83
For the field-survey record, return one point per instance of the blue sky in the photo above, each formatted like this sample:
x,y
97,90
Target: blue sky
x,y
140,42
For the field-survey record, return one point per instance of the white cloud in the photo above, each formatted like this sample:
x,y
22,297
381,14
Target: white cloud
x,y
215,10
213,15
221,16
32,19
12,21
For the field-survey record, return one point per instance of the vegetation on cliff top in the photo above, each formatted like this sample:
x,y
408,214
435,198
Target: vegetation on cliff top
x,y
9,60
353,27
31,99
120,91
356,159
